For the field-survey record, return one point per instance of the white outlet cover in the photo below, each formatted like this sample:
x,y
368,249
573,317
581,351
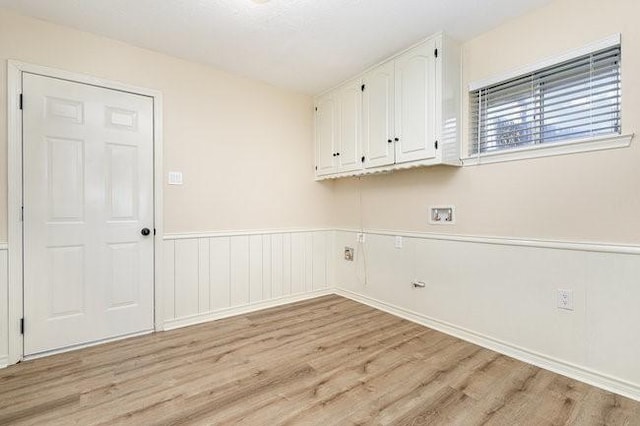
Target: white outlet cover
x,y
175,178
398,242
565,299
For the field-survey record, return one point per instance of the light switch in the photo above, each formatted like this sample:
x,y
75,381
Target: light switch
x,y
175,178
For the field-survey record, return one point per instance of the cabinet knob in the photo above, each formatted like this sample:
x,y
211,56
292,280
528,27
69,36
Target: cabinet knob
x,y
334,154
389,141
337,153
396,139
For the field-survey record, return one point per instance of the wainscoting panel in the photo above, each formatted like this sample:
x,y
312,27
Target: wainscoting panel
x,y
502,294
4,324
213,275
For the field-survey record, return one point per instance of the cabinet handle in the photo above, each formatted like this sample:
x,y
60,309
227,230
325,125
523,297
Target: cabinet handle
x,y
396,139
389,141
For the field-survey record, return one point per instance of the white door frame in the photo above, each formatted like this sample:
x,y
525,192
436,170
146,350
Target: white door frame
x,y
15,195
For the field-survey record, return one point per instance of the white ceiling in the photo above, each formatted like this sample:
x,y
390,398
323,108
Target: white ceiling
x,y
305,45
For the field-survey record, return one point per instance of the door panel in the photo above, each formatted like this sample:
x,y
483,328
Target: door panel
x,y
350,106
326,129
377,116
88,191
415,104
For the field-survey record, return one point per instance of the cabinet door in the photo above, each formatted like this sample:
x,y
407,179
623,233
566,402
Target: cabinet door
x,y
377,116
326,130
415,102
349,152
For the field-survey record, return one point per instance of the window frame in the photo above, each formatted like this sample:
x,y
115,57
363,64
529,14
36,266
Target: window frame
x,y
569,146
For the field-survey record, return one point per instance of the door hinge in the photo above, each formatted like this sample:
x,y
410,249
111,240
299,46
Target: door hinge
x,y
435,52
436,144
21,325
20,101
362,87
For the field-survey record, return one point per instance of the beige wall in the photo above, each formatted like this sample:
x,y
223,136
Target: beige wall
x,y
245,147
581,197
246,152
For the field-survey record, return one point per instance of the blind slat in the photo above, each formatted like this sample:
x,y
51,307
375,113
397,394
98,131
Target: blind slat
x,y
580,97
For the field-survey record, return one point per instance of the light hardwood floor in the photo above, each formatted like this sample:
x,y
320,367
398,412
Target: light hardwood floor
x,y
320,362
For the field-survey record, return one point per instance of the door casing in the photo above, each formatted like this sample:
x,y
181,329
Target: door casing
x,y
15,191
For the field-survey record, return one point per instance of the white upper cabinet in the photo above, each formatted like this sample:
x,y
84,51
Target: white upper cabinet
x,y
326,134
402,113
349,150
377,116
415,99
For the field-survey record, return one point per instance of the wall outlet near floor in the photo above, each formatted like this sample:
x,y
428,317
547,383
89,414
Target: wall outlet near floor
x,y
360,237
348,254
398,242
565,299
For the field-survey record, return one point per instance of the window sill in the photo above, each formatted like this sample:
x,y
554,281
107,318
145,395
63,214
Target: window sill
x,y
550,150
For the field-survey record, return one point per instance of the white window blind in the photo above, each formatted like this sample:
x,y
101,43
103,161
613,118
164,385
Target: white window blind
x,y
575,99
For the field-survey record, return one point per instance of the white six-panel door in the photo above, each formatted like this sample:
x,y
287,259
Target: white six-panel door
x,y
88,193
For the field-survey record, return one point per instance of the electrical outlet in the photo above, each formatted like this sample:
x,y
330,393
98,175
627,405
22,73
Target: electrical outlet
x,y
360,237
348,254
398,242
565,299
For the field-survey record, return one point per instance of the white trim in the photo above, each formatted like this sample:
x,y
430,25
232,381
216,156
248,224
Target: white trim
x,y
14,160
237,310
244,232
14,223
4,361
612,40
87,345
601,143
4,246
534,243
434,161
555,365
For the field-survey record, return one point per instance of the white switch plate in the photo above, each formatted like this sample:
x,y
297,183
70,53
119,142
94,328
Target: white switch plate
x,y
175,178
398,242
565,299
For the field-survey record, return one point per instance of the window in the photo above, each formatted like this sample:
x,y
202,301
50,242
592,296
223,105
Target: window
x,y
571,100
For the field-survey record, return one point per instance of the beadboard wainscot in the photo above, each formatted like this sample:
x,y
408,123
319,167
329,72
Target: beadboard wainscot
x,y
502,293
4,314
217,275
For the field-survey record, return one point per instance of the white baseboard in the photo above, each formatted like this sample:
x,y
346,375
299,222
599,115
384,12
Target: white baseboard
x,y
564,368
4,361
244,309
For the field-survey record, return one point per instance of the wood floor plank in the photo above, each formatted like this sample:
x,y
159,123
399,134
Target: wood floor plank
x,y
323,361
